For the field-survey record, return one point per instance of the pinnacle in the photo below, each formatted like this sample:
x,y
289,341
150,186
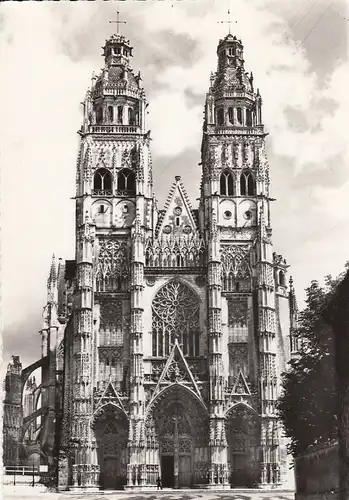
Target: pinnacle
x,y
53,271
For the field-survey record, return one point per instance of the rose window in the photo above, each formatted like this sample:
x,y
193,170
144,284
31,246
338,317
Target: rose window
x,y
175,311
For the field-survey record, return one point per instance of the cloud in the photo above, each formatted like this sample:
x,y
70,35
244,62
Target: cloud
x,y
49,52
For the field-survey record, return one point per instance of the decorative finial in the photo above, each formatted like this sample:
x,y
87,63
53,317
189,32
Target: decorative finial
x,y
178,178
228,22
53,271
117,22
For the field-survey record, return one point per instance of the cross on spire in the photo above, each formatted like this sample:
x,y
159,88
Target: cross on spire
x,y
228,22
117,22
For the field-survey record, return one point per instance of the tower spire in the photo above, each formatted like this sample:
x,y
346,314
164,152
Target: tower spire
x,y
53,271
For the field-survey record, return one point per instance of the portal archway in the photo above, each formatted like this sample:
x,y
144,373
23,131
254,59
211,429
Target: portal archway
x,y
110,426
179,422
243,438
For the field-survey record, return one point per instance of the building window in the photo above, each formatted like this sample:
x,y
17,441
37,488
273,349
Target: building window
x,y
99,115
231,115
131,117
110,114
227,184
281,278
120,115
175,314
127,181
239,115
102,182
220,116
247,184
248,118
101,209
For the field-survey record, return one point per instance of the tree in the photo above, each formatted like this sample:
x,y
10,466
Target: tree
x,y
307,405
337,314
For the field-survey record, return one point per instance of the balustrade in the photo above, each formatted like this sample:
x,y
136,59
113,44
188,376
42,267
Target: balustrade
x,y
114,129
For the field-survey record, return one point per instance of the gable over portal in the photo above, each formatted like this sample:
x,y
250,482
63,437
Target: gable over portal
x,y
177,218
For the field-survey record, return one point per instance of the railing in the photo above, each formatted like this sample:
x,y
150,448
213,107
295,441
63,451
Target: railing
x,y
21,474
124,90
114,129
238,94
20,470
230,130
102,192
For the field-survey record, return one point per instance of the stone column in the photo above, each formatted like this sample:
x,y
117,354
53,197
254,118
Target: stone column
x,y
136,442
218,445
83,355
267,354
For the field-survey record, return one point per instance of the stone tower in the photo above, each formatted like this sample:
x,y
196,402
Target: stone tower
x,y
13,413
180,317
114,215
248,302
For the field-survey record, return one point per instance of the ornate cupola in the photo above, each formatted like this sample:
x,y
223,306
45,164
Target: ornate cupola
x,y
230,52
117,51
116,102
231,100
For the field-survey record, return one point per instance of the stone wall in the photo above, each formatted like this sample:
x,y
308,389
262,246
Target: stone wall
x,y
317,473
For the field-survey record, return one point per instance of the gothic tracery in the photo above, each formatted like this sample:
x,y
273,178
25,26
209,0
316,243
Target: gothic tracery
x,y
175,314
112,265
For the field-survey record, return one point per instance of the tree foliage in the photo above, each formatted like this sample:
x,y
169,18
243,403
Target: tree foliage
x,y
307,405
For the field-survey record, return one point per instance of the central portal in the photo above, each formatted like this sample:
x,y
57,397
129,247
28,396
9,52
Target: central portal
x,y
176,452
178,424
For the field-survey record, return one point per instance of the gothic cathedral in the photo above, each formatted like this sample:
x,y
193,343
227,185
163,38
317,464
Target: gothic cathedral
x,y
171,328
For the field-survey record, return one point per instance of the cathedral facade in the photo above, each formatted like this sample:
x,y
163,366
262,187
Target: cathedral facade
x,y
167,335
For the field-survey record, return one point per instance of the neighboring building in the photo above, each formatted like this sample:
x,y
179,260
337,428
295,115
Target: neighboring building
x,y
12,416
167,335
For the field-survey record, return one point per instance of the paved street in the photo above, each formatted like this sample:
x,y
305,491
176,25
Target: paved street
x,y
10,492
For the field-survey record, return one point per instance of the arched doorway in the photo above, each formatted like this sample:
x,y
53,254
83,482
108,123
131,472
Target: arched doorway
x,y
181,426
243,437
111,432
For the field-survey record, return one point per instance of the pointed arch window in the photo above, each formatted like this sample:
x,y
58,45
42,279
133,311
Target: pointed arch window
x,y
227,183
110,114
247,184
126,182
102,182
220,116
175,313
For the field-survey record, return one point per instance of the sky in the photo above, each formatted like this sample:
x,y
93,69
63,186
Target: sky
x,y
297,50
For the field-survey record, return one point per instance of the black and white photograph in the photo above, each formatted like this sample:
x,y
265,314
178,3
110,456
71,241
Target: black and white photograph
x,y
174,249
